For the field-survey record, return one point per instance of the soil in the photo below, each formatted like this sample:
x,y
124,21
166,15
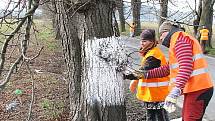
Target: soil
x,y
51,93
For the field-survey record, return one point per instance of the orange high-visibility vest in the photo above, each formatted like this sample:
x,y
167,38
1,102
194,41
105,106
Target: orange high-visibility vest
x,y
156,89
204,34
200,78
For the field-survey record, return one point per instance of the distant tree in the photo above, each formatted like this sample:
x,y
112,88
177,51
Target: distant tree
x,y
95,87
136,6
197,20
207,17
163,10
121,15
49,12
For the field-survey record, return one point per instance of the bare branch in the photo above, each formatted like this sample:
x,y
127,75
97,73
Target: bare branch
x,y
5,45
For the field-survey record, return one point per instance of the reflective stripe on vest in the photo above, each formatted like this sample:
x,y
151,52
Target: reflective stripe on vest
x,y
153,84
195,57
194,73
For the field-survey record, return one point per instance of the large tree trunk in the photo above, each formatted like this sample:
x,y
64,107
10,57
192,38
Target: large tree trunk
x,y
121,15
136,6
207,17
95,87
163,10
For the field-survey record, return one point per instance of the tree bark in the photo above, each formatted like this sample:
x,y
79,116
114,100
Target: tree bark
x,y
121,15
197,20
207,17
95,87
163,10
136,6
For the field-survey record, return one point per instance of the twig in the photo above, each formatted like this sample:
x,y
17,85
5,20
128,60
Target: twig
x,y
2,85
32,93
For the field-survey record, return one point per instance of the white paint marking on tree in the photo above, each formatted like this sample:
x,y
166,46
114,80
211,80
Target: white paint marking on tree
x,y
104,83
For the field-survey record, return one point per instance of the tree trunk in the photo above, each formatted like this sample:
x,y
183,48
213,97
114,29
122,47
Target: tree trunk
x,y
210,27
55,20
95,87
163,10
136,6
207,17
121,15
197,20
115,25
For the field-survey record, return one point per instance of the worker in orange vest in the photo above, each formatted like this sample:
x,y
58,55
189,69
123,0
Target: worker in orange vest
x,y
188,71
132,28
151,91
204,32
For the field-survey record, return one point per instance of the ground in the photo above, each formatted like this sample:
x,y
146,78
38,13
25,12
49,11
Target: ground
x,y
50,91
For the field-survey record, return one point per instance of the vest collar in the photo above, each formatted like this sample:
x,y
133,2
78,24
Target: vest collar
x,y
167,39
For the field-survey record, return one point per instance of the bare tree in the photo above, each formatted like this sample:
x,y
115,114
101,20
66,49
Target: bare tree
x,y
163,10
207,17
136,6
121,15
95,87
198,16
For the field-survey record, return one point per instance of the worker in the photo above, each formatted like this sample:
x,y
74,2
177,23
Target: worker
x,y
152,92
132,29
204,33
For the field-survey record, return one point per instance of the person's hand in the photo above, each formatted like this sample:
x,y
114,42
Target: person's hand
x,y
133,74
129,76
139,74
133,85
171,99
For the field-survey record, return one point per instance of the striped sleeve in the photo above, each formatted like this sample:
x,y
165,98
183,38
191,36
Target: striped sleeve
x,y
183,51
158,72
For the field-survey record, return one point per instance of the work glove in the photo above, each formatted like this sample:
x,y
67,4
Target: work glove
x,y
129,76
139,74
171,99
133,85
133,74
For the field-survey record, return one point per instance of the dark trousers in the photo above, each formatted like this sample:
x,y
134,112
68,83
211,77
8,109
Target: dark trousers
x,y
157,115
195,104
203,44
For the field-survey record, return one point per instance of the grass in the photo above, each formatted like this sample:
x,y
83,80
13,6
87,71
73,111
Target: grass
x,y
46,34
52,108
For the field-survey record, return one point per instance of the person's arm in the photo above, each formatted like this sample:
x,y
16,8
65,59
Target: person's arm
x,y
183,51
158,72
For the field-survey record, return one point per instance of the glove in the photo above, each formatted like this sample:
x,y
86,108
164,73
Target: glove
x,y
171,99
140,74
133,86
129,76
133,74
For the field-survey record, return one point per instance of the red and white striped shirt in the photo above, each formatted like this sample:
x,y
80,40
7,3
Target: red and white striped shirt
x,y
183,51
